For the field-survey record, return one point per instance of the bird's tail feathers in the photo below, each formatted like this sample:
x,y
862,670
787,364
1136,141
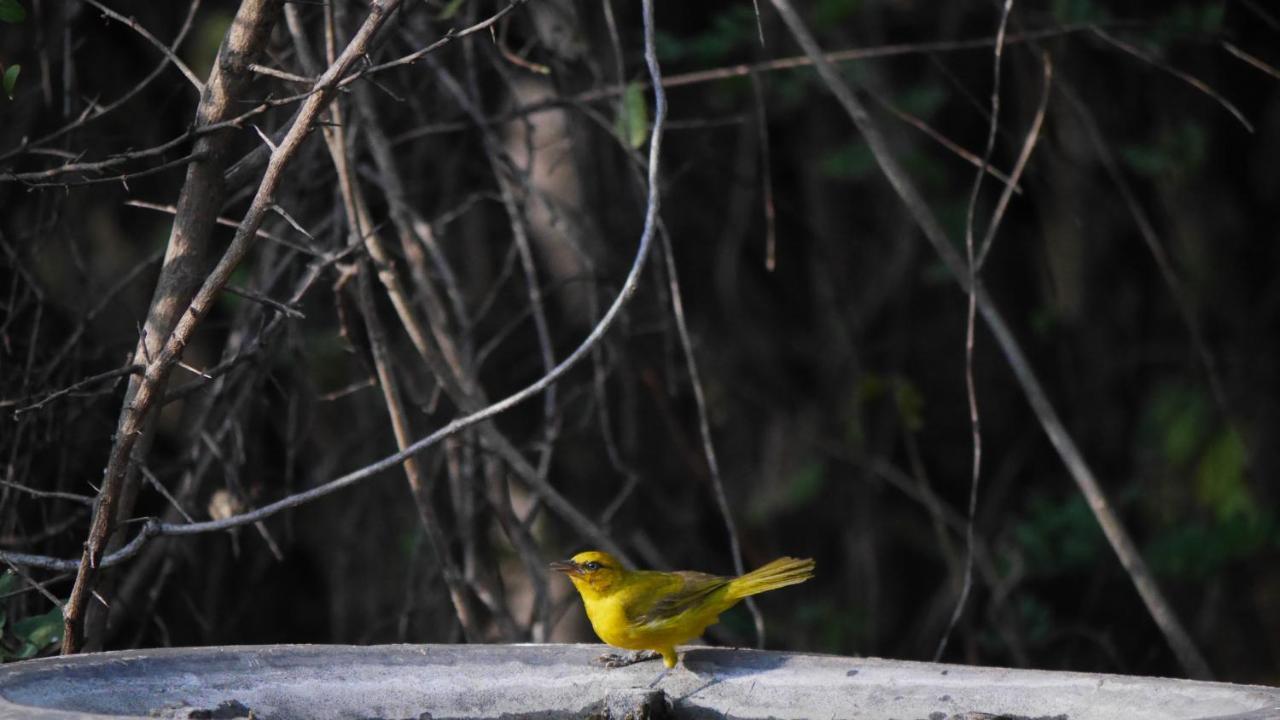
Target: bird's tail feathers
x,y
779,573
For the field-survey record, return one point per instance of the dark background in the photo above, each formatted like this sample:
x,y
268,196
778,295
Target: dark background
x,y
834,383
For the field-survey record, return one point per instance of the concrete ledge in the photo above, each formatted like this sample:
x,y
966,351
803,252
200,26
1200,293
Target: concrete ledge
x,y
292,682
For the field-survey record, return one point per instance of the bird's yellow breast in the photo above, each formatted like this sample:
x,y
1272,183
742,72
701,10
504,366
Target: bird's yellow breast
x,y
609,619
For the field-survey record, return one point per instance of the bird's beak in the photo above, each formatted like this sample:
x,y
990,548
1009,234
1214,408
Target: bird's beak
x,y
568,567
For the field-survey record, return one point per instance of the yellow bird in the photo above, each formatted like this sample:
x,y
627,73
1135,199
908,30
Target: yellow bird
x,y
649,610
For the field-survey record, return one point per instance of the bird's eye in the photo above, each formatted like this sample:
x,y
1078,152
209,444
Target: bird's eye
x,y
591,566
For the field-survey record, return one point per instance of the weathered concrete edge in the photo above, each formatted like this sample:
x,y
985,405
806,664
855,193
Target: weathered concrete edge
x,y
725,662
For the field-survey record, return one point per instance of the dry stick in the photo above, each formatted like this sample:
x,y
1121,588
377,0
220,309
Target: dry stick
x,y
228,222
629,286
36,176
946,142
246,34
789,63
464,390
1266,17
467,394
405,222
168,52
186,260
520,236
971,392
1189,79
766,174
496,484
497,490
1161,612
92,379
362,232
57,495
1250,59
413,472
138,578
17,569
632,478
1028,146
704,429
499,162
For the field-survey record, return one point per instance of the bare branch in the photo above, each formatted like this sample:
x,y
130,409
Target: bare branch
x,y
249,29
168,52
1185,77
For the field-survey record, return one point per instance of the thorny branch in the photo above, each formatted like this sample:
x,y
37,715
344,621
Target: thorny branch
x,y
152,528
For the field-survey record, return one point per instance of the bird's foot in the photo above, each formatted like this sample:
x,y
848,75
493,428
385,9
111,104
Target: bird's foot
x,y
617,660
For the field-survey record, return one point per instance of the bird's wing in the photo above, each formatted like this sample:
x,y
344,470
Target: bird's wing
x,y
674,595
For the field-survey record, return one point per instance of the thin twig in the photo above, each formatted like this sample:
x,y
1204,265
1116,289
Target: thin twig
x,y
704,429
971,391
73,497
91,380
276,305
1187,78
1251,59
168,52
766,173
1028,145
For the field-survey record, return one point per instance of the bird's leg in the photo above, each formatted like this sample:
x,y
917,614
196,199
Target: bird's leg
x,y
617,660
665,671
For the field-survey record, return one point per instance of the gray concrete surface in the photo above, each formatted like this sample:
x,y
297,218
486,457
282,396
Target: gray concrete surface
x,y
293,682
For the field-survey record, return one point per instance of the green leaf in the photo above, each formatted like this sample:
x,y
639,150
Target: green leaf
x,y
450,10
1220,478
1175,153
633,117
1077,11
8,582
923,101
1211,17
910,404
851,161
40,630
806,483
11,79
1059,537
831,13
1198,550
26,651
11,11
1179,418
206,38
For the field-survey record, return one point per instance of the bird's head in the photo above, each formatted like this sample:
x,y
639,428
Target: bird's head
x,y
593,573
